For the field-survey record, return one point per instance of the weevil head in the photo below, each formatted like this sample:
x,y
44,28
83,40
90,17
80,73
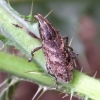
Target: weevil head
x,y
47,31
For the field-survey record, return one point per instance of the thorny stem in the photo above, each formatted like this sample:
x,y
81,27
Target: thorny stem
x,y
82,84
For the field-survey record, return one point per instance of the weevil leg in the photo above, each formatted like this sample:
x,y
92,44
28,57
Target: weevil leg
x,y
56,83
73,55
49,72
66,42
66,39
69,48
74,62
36,49
30,33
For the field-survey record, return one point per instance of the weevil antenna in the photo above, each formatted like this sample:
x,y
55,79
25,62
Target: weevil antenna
x,y
48,13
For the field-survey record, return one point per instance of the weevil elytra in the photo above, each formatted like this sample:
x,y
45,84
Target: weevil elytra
x,y
59,56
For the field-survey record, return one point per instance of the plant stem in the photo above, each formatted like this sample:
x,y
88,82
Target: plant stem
x,y
21,68
81,83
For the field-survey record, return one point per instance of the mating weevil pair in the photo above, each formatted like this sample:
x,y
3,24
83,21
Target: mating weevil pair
x,y
59,56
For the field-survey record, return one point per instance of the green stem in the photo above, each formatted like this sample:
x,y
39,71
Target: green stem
x,y
22,68
81,83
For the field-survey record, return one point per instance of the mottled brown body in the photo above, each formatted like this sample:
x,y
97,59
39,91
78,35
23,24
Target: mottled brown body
x,y
59,62
59,56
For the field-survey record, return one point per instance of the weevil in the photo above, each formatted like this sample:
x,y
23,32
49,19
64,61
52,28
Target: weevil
x,y
59,56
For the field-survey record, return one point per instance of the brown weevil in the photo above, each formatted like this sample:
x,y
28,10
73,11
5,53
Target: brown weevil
x,y
59,56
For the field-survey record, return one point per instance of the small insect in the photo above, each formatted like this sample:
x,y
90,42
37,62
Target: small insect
x,y
59,56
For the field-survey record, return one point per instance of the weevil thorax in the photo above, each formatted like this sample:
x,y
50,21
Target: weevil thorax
x,y
44,26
